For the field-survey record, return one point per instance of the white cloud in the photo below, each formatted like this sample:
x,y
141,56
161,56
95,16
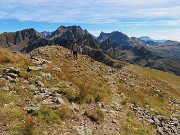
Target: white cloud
x,y
97,32
127,13
89,11
171,34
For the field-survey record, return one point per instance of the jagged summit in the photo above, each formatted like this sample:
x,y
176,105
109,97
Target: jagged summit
x,y
47,88
71,32
22,41
115,36
46,33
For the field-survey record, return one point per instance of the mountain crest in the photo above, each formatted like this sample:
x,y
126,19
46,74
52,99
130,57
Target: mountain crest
x,y
115,36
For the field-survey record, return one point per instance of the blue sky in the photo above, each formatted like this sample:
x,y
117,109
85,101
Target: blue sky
x,y
159,19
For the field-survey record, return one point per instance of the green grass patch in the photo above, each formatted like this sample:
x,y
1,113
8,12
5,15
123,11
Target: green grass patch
x,y
6,97
64,112
48,115
95,115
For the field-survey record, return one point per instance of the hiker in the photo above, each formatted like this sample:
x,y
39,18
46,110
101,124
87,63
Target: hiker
x,y
74,50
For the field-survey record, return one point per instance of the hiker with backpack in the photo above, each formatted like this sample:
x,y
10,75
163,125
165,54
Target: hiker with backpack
x,y
74,50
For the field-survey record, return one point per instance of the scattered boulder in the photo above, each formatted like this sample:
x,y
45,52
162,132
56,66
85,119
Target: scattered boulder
x,y
56,69
8,105
39,83
40,61
75,107
174,101
46,75
32,108
3,128
58,100
68,56
33,87
11,74
33,68
163,124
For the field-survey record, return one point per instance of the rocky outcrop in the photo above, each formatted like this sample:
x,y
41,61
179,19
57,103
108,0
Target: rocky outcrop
x,y
164,125
3,128
11,74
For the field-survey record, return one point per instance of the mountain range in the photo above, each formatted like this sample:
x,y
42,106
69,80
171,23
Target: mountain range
x,y
107,48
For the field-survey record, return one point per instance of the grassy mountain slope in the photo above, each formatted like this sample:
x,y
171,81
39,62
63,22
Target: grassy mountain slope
x,y
47,92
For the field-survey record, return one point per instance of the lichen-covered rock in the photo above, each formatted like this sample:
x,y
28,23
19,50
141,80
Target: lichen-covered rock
x,y
33,68
163,124
11,74
32,108
33,87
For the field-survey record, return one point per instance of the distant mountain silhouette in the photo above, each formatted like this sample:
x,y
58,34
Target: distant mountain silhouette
x,y
167,49
46,33
115,36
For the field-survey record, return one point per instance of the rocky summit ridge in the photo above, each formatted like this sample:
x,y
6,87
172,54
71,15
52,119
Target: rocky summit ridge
x,y
47,92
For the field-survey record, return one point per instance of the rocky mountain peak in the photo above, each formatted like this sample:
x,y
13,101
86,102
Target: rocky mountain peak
x,y
70,32
115,36
46,33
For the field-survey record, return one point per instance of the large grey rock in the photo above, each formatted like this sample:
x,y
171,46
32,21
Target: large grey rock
x,y
57,69
33,68
46,75
75,107
3,128
11,70
58,100
40,61
33,87
160,130
8,105
39,83
32,108
11,74
157,122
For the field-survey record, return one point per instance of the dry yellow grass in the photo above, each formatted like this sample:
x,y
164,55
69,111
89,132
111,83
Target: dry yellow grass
x,y
170,79
89,83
